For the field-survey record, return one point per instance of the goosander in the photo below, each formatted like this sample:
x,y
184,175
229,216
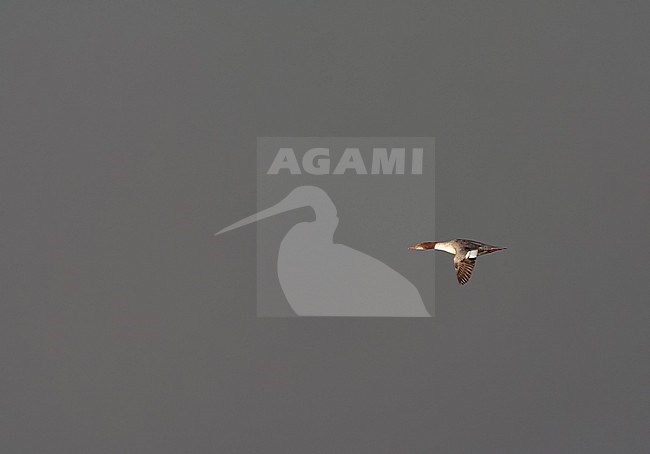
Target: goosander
x,y
465,253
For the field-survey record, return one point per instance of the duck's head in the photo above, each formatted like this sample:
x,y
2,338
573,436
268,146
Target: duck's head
x,y
423,246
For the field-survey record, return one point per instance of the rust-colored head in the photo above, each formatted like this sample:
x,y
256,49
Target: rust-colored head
x,y
423,246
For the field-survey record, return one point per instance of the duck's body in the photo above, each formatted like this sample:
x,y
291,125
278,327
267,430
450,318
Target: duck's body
x,y
465,253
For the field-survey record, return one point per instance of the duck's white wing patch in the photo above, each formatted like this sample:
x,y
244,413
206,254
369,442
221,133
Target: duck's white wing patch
x,y
472,254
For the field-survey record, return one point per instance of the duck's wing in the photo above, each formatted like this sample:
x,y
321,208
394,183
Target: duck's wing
x,y
469,244
464,268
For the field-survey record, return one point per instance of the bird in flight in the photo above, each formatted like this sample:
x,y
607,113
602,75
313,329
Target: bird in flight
x,y
465,253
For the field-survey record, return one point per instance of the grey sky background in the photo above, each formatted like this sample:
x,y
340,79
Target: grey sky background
x,y
128,138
